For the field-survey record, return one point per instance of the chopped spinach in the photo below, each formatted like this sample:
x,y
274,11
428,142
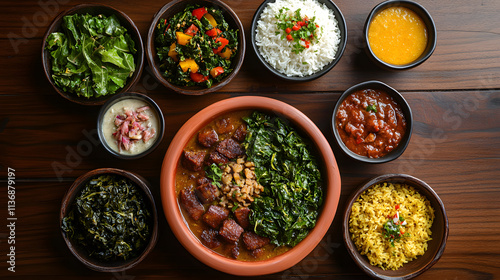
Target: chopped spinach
x,y
110,219
202,47
214,173
92,56
285,165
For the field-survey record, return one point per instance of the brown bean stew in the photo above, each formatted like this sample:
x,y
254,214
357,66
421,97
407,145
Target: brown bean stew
x,y
216,184
370,123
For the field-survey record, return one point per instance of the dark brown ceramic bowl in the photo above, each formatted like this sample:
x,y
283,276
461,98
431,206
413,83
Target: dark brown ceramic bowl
x,y
435,247
79,252
423,14
176,6
326,160
398,151
341,23
94,9
125,96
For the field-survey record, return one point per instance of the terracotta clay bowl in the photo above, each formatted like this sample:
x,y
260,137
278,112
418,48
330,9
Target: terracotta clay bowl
x,y
81,253
439,230
326,160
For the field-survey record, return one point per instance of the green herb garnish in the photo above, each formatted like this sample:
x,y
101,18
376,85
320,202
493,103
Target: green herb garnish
x,y
109,218
284,164
372,108
214,173
92,56
393,230
301,30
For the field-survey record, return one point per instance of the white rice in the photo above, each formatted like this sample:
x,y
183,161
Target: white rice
x,y
278,52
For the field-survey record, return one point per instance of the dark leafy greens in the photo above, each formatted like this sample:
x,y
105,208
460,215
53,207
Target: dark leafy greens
x,y
202,47
290,204
92,56
109,219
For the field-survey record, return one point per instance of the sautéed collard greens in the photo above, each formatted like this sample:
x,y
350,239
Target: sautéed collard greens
x,y
109,218
92,56
290,205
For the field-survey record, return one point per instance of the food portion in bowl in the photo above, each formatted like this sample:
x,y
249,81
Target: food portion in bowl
x,y
91,56
249,186
110,219
130,126
196,46
391,224
370,123
297,38
397,35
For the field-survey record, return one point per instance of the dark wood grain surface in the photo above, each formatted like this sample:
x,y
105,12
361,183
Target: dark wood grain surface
x,y
454,148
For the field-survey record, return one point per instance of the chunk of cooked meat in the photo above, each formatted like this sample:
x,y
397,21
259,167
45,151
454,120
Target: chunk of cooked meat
x,y
215,215
257,253
241,133
253,241
209,238
191,204
224,126
229,148
235,250
208,137
230,230
193,160
217,158
242,216
207,192
202,180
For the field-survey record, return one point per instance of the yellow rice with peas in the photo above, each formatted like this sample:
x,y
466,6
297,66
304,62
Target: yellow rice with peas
x,y
379,205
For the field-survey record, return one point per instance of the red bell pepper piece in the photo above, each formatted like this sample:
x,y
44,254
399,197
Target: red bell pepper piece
x,y
216,71
199,13
213,32
197,77
224,42
191,30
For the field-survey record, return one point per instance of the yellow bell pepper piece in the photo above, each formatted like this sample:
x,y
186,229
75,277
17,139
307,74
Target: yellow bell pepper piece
x,y
189,64
226,54
211,19
182,39
172,53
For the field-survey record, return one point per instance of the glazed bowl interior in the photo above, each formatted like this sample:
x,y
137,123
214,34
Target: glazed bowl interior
x,y
439,230
81,253
398,151
340,51
134,96
94,9
426,18
176,6
331,179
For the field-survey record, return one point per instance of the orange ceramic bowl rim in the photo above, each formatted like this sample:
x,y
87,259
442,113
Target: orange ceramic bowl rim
x,y
331,178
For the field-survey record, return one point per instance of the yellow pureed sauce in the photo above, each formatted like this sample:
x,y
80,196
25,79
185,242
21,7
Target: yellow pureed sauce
x,y
397,35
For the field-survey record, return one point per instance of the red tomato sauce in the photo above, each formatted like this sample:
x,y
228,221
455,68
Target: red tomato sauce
x,y
370,123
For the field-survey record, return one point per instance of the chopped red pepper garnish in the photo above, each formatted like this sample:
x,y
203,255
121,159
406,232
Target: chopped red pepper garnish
x,y
289,37
288,30
397,206
296,27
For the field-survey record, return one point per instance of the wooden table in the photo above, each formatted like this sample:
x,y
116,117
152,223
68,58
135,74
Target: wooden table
x,y
454,148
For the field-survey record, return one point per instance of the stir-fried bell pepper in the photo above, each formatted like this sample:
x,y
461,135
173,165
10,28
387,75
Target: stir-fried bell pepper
x,y
211,19
191,30
223,41
189,64
200,12
216,71
183,39
197,77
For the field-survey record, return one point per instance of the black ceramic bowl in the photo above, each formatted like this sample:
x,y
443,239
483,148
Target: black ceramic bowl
x,y
130,96
94,9
81,253
439,230
176,6
423,14
406,112
341,47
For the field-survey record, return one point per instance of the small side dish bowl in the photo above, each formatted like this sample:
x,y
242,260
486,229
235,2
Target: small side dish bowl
x,y
398,98
176,6
340,48
326,161
94,10
106,126
439,230
427,20
81,253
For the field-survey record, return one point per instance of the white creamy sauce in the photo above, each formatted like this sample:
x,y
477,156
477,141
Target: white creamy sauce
x,y
109,127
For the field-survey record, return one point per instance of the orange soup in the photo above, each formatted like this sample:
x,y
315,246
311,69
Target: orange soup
x,y
397,35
